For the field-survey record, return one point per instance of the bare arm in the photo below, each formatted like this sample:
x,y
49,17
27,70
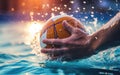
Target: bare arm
x,y
80,44
107,33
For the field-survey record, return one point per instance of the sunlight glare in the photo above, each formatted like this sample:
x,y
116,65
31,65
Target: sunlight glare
x,y
34,30
34,27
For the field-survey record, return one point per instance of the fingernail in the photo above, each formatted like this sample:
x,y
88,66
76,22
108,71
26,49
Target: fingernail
x,y
64,22
44,41
43,51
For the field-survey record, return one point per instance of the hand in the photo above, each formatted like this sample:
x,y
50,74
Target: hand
x,y
74,47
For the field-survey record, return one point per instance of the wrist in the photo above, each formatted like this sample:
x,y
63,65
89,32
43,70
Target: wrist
x,y
95,42
90,44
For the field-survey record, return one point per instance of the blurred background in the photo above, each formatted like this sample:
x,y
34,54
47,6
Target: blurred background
x,y
43,9
20,20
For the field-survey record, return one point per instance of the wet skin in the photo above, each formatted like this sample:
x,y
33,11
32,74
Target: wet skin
x,y
80,44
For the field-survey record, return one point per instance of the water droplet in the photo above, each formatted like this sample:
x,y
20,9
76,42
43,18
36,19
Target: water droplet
x,y
84,8
69,8
92,7
12,9
84,2
71,2
65,5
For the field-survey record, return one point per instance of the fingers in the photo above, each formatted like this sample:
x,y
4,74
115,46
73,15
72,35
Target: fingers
x,y
73,30
56,51
67,26
53,41
67,42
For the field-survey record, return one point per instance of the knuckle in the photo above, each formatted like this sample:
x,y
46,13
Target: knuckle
x,y
53,41
63,41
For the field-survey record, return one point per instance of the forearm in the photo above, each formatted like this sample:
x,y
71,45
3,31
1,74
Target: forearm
x,y
107,33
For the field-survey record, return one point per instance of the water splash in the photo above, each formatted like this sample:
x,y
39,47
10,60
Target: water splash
x,y
36,48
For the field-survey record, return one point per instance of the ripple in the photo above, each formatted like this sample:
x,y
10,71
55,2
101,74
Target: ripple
x,y
20,67
15,58
27,55
8,44
7,56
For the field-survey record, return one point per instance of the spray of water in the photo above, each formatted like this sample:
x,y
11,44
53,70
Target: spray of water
x,y
36,48
91,27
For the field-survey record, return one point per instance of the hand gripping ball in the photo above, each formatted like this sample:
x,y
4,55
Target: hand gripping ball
x,y
53,28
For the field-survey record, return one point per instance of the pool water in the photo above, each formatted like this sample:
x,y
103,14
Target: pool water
x,y
16,57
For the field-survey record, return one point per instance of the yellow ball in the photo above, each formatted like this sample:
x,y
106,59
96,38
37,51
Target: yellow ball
x,y
53,28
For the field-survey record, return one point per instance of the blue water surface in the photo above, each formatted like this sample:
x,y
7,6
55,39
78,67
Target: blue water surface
x,y
16,57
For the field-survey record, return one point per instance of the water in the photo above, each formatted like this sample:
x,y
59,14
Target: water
x,y
16,55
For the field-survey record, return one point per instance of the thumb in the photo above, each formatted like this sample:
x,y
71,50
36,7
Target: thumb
x,y
67,26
